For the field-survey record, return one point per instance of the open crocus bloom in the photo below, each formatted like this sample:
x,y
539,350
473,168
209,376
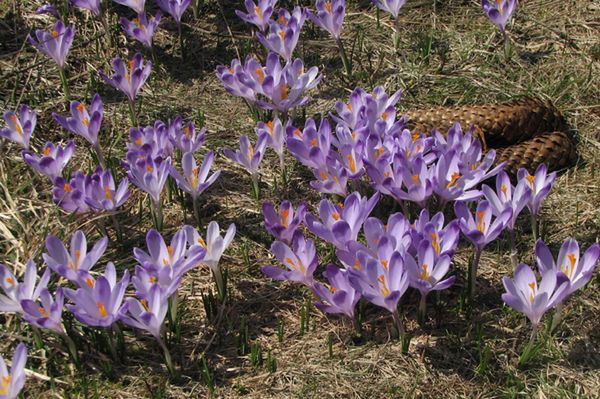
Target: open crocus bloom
x,y
12,383
54,44
15,291
135,5
91,5
540,184
427,272
53,159
195,180
46,314
340,297
19,128
248,156
499,11
329,16
258,13
480,230
81,122
391,6
283,223
128,77
101,192
300,260
507,197
147,314
284,33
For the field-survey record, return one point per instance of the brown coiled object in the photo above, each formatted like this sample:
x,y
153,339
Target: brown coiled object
x,y
524,133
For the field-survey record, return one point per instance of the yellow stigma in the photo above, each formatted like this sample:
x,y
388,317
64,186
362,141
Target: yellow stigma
x,y
284,92
46,151
67,187
415,179
351,163
54,34
138,141
187,132
298,133
250,153
385,291
530,179
570,268
453,179
149,168
328,7
80,108
425,273
101,309
194,179
384,116
108,193
480,223
435,243
504,189
89,282
145,304
335,216
282,35
314,142
15,120
5,387
270,126
532,295
10,281
285,213
43,311
332,289
357,264
385,263
258,12
415,136
260,73
201,242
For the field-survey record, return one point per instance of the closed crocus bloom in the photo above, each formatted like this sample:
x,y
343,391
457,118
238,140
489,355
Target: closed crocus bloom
x,y
153,141
284,222
19,128
275,133
234,79
577,270
443,239
185,138
52,160
416,180
524,295
391,6
340,297
67,263
15,291
215,245
11,383
47,313
135,5
300,261
91,5
284,33
70,194
174,8
195,179
248,156
329,16
141,28
540,184
147,314
129,77
258,13
102,193
499,11
48,9
81,122
54,44
100,305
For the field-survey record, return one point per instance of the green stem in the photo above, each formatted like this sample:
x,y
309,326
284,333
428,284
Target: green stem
x,y
72,349
220,283
158,216
507,47
179,30
396,35
255,187
399,324
100,155
345,60
132,113
534,227
65,84
117,227
513,248
168,359
557,317
422,311
473,273
196,210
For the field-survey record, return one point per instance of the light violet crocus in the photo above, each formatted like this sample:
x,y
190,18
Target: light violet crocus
x,y
19,127
195,179
15,291
329,16
185,138
248,156
48,9
275,133
174,8
46,314
443,239
153,141
283,224
141,28
331,178
480,230
166,278
340,297
258,13
161,255
100,305
148,175
310,146
91,5
52,160
102,193
135,5
129,77
391,6
340,224
540,184
54,44
12,383
68,263
70,194
300,259
499,11
284,33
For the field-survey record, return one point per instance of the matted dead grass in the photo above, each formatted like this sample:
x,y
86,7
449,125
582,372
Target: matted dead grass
x,y
557,45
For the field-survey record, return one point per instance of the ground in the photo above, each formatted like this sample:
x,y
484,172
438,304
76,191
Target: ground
x,y
449,53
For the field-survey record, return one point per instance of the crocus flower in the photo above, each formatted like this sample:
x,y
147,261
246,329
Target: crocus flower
x,y
310,146
101,192
53,159
274,131
283,223
300,260
141,28
147,314
258,13
332,178
153,141
148,175
247,156
427,272
443,239
577,270
524,295
144,279
391,6
175,8
55,44
15,292
129,78
19,127
70,194
90,5
135,5
195,180
185,138
540,184
12,383
499,11
340,297
46,314
507,196
68,263
481,230
329,16
233,76
100,305
81,122
284,33
215,245
48,9
341,224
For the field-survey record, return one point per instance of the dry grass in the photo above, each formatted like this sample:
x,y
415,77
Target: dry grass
x,y
557,58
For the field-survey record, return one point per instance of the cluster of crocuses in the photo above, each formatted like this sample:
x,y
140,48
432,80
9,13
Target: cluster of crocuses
x,y
98,299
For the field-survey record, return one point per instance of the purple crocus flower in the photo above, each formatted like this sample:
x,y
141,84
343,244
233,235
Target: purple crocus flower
x,y
148,175
55,44
185,138
12,383
19,127
101,192
499,11
524,295
233,76
129,78
448,182
135,5
443,239
247,156
310,146
283,223
70,194
507,196
69,263
332,178
91,5
48,313
15,291
48,9
166,278
274,131
175,8
391,6
141,28
195,180
329,16
481,230
53,159
83,123
340,224
284,33
258,13
100,305
427,272
153,141
147,314
340,297
577,270
540,184
300,259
